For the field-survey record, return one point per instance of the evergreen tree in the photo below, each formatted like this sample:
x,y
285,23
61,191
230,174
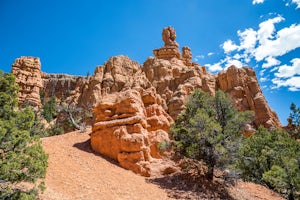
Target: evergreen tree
x,y
50,109
272,158
22,158
210,129
293,127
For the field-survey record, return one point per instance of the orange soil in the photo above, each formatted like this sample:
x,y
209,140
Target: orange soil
x,y
76,172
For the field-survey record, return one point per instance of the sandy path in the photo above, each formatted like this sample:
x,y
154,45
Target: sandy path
x,y
75,172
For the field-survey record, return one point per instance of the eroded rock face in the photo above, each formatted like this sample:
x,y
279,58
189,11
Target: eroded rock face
x,y
117,72
28,76
64,87
174,81
242,85
128,127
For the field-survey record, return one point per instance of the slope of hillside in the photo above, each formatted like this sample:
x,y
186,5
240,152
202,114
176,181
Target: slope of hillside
x,y
76,172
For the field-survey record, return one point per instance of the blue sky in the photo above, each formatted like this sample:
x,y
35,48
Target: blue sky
x,y
75,36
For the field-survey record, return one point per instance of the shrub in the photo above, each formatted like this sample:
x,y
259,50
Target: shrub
x,y
22,156
271,158
210,129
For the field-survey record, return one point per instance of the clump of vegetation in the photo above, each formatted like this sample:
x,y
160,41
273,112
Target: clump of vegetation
x,y
76,115
22,158
50,109
210,130
271,157
55,129
293,127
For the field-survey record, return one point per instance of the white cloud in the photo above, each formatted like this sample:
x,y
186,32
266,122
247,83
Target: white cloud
x,y
210,53
257,1
297,2
265,45
261,73
234,62
197,58
247,39
263,79
287,39
285,71
229,46
292,83
215,67
267,28
287,76
270,62
274,69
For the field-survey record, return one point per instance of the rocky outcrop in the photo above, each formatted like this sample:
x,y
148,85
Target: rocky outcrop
x,y
64,87
174,81
112,77
242,85
170,49
128,126
28,76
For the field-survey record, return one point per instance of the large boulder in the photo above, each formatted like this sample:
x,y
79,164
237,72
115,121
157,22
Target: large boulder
x,y
128,127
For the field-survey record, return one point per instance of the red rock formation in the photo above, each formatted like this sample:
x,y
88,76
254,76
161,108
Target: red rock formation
x,y
136,104
64,87
174,81
242,85
28,76
128,126
170,49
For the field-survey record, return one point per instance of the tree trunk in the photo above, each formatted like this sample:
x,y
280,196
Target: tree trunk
x,y
210,172
211,162
73,121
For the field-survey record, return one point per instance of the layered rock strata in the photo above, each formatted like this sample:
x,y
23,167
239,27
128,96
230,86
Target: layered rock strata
x,y
28,76
128,126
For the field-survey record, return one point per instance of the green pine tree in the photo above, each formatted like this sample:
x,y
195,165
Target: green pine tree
x,y
50,109
271,158
22,158
210,129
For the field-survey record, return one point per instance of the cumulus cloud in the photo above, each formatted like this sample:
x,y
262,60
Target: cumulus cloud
x,y
215,67
288,76
292,83
248,39
257,1
230,62
270,62
229,46
286,40
263,79
265,45
286,71
210,53
266,29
